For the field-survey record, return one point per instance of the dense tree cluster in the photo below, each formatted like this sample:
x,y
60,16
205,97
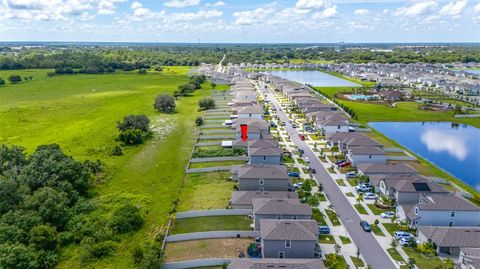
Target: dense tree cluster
x,y
206,103
44,205
134,129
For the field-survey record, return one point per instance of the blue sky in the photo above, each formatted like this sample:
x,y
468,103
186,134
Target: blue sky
x,y
241,21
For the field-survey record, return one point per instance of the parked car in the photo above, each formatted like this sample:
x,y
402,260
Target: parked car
x,y
293,174
387,215
297,185
312,170
283,123
306,159
287,154
363,188
369,196
339,162
351,174
323,230
365,226
402,234
405,241
294,125
272,124
302,137
344,164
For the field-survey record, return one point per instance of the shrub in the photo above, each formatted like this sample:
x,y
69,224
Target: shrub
x,y
134,122
15,79
132,137
2,82
165,103
117,151
126,219
199,121
102,249
142,71
206,103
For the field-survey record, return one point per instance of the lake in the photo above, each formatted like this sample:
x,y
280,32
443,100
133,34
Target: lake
x,y
313,77
454,148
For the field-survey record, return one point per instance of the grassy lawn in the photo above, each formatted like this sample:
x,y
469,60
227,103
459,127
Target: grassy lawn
x,y
376,230
213,164
333,217
88,108
326,239
424,261
321,197
216,151
341,182
395,255
341,263
345,240
203,191
376,210
214,223
350,194
318,216
358,262
208,248
361,209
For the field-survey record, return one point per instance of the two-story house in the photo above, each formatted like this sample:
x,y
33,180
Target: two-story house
x,y
265,155
279,209
364,154
262,177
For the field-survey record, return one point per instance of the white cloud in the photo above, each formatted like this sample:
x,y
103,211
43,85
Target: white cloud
x,y
107,7
253,16
418,9
310,4
477,8
136,5
216,4
188,16
47,9
439,141
453,8
327,13
361,12
181,3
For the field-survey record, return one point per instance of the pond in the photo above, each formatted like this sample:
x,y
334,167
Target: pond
x,y
452,147
313,77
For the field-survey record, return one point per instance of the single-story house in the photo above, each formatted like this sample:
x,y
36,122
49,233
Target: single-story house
x,y
370,169
276,264
449,240
338,138
333,123
440,210
407,189
295,239
268,155
368,154
243,199
261,177
279,209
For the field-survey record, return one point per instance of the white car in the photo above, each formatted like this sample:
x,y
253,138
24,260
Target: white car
x,y
306,159
363,188
387,215
402,234
405,241
369,196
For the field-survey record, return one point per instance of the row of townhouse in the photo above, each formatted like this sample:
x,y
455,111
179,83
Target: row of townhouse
x,y
288,235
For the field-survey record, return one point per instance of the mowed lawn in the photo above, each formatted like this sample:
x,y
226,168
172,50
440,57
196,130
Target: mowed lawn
x,y
80,113
213,223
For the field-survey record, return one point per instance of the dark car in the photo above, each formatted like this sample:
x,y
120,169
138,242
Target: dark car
x,y
365,226
339,162
344,164
323,230
293,174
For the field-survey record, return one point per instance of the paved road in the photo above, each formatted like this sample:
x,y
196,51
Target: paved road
x,y
371,250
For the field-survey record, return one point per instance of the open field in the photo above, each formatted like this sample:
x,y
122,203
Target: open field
x,y
80,112
209,248
214,223
204,191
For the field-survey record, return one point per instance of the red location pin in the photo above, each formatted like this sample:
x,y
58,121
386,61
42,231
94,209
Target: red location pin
x,y
244,129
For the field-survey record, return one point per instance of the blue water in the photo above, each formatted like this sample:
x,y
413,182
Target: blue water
x,y
359,97
473,71
313,77
455,149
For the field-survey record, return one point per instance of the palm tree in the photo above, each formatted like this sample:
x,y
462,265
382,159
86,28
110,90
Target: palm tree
x,y
359,198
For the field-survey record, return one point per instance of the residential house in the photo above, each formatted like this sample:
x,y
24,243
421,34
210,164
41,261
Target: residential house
x,y
251,112
450,240
370,169
391,95
266,141
261,177
332,123
279,209
406,189
276,264
243,199
338,138
440,210
469,258
367,154
289,239
265,155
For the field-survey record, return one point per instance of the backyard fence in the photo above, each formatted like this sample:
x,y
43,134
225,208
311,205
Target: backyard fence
x,y
196,263
211,235
214,212
209,169
219,159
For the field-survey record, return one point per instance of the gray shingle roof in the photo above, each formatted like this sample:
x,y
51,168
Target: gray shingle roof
x,y
299,230
255,109
263,143
264,151
406,184
446,202
368,150
452,236
246,197
380,168
276,264
267,171
280,207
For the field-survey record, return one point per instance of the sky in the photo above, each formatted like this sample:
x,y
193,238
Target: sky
x,y
241,21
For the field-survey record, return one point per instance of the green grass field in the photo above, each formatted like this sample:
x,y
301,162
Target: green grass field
x,y
80,112
215,223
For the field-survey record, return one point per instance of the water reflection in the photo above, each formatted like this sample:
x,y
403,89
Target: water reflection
x,y
439,141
